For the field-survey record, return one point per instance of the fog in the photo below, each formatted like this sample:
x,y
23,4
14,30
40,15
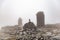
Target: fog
x,y
11,10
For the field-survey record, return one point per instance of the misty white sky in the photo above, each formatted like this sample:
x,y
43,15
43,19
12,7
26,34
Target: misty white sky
x,y
11,10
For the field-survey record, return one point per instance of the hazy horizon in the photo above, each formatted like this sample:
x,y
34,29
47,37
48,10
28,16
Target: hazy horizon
x,y
11,10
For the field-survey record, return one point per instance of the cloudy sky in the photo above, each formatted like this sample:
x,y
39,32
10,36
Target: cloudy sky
x,y
11,10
